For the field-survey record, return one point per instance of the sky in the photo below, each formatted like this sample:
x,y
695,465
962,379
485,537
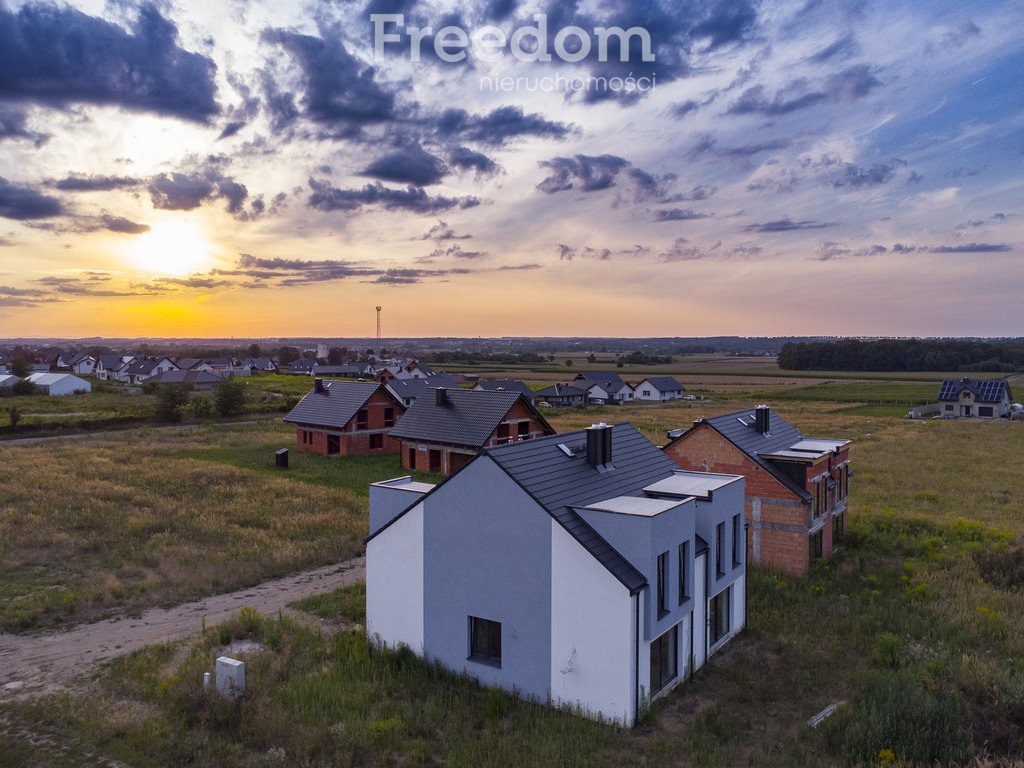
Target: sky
x,y
263,169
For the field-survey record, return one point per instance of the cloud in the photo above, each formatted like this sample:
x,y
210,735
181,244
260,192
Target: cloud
x,y
95,183
124,226
412,198
441,231
787,225
58,55
584,173
412,165
852,83
498,127
452,252
831,251
204,182
843,48
180,191
14,125
960,34
24,203
77,287
677,214
972,248
466,159
681,250
568,253
854,176
7,290
518,267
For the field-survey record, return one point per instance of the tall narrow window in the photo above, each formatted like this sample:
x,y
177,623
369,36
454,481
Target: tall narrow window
x,y
523,430
718,615
389,418
815,544
719,549
684,569
664,665
662,584
485,640
838,521
737,540
362,420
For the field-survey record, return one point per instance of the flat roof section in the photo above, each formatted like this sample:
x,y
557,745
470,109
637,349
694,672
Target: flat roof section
x,y
684,483
405,484
817,445
641,506
791,455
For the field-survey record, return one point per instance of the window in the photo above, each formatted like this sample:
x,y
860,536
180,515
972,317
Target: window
x,y
434,461
504,430
815,544
389,417
718,615
662,584
949,407
664,666
485,640
362,420
719,548
684,566
524,430
647,393
838,523
737,540
376,441
412,458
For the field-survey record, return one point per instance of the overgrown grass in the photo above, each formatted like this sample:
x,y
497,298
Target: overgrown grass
x,y
347,603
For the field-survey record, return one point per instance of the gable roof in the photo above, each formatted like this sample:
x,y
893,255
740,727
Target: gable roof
x,y
560,481
560,390
507,385
144,365
664,383
984,391
414,388
110,362
335,406
187,377
604,379
8,380
738,428
48,379
467,418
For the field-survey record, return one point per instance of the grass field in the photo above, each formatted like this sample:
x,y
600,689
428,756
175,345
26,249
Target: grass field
x,y
917,623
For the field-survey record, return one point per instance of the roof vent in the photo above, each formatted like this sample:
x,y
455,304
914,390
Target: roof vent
x,y
318,386
763,419
440,397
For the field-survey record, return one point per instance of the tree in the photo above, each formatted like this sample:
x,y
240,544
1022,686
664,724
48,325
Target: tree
x,y
202,407
287,355
20,367
229,397
170,399
23,387
14,415
568,363
337,356
254,350
591,358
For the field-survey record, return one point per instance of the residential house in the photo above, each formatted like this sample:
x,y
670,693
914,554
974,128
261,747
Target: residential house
x,y
61,362
797,487
83,364
659,388
561,395
604,387
505,385
445,428
144,368
260,364
346,371
58,384
410,368
974,399
109,367
340,418
201,381
583,569
407,390
301,367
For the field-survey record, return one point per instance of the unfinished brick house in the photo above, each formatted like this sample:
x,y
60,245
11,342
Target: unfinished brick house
x,y
796,487
445,428
346,418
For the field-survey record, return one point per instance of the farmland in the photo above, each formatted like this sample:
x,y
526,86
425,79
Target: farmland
x,y
918,620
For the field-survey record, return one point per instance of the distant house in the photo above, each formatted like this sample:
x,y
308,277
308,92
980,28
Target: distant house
x,y
202,381
974,399
144,368
407,390
340,418
345,371
505,385
583,569
261,364
301,367
797,487
83,364
58,384
109,367
445,428
659,388
62,361
605,386
561,395
409,368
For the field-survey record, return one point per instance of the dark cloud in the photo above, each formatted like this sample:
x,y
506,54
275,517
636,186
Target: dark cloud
x,y
339,87
296,272
87,183
787,225
518,267
972,248
180,191
850,84
328,198
498,126
843,48
14,125
568,253
677,214
77,287
25,203
831,251
202,283
7,290
960,34
452,252
499,10
855,176
681,250
584,173
204,182
749,150
411,165
684,108
441,231
123,226
58,55
466,159
704,144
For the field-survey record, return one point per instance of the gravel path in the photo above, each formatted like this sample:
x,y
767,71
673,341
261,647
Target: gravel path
x,y
33,665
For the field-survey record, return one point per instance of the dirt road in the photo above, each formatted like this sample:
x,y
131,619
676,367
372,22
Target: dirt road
x,y
31,665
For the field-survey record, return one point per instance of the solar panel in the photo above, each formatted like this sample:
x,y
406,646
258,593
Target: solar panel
x,y
949,389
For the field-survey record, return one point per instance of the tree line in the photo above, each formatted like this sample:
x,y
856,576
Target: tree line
x,y
903,355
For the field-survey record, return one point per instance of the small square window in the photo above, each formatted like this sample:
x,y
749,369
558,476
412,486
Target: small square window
x,y
485,640
376,441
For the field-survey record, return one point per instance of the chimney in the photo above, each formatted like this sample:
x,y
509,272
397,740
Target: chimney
x,y
763,419
599,445
318,386
440,397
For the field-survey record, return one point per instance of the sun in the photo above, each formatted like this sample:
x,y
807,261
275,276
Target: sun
x,y
172,247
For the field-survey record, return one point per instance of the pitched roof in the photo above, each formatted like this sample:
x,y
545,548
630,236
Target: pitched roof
x,y
604,379
47,379
143,365
338,370
560,481
8,380
560,390
110,362
335,406
738,428
508,385
187,377
413,388
664,383
984,391
467,418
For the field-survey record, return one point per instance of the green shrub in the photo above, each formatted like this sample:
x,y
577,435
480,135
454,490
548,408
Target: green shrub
x,y
887,650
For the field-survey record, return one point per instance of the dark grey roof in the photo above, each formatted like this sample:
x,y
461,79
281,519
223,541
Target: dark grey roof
x,y
335,406
143,365
559,482
560,390
187,377
338,370
604,379
415,387
302,365
468,418
781,436
508,385
111,362
984,391
665,383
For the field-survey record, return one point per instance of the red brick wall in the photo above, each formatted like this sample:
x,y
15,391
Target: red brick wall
x,y
356,442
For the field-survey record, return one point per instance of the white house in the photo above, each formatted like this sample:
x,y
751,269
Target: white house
x,y
144,368
584,569
55,384
108,367
659,388
83,364
604,385
974,399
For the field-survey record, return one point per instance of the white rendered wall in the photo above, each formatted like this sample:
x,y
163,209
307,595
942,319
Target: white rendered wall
x,y
394,582
591,613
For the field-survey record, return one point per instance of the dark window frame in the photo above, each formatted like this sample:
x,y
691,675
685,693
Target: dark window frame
x,y
684,567
362,419
662,595
376,441
484,641
737,538
838,528
664,664
816,544
719,549
389,417
720,615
